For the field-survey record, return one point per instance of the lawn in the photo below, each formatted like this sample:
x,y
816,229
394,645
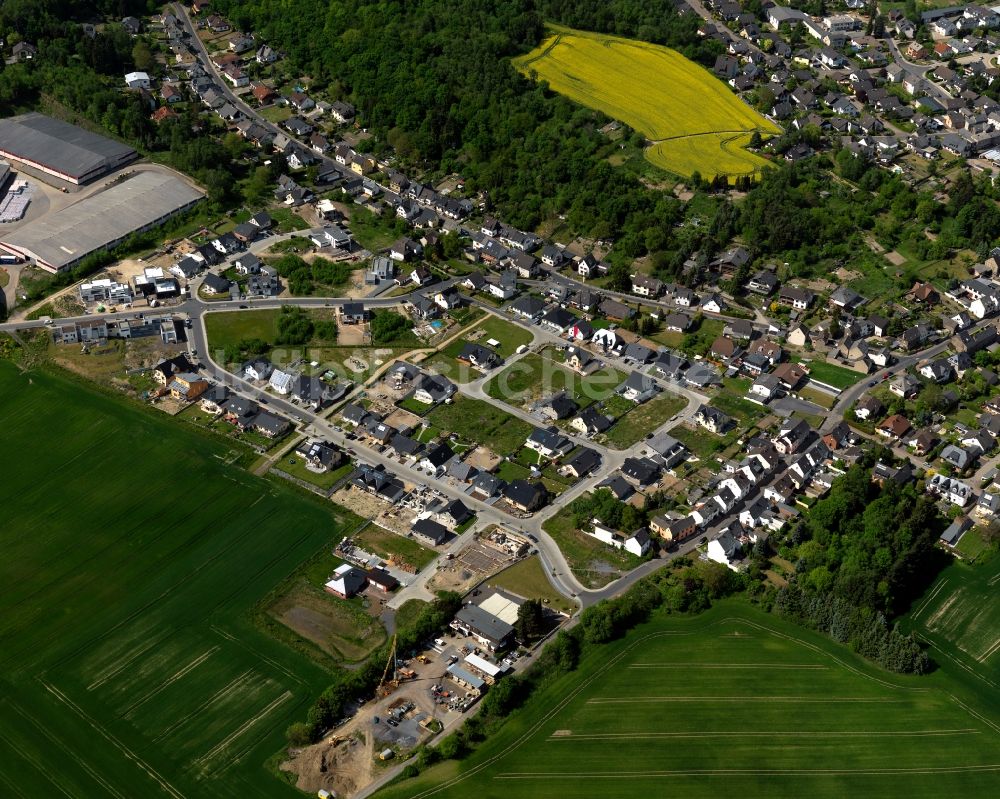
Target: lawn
x,y
231,327
295,465
510,335
837,376
731,399
701,442
755,707
134,557
537,375
643,419
393,547
527,579
478,420
693,120
373,232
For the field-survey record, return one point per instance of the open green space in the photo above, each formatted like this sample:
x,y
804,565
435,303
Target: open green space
x,y
478,420
695,122
644,419
731,399
731,701
833,375
228,328
390,546
510,335
135,554
594,563
527,579
537,375
375,232
701,442
294,464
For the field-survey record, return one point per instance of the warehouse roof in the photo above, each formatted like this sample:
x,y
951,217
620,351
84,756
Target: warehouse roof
x,y
60,146
63,237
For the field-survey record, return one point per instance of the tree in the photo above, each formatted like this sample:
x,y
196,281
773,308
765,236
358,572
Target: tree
x,y
142,56
530,621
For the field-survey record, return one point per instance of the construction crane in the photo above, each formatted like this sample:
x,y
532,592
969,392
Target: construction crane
x,y
386,687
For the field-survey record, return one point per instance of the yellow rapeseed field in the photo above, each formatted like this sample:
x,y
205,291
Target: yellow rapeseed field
x,y
694,121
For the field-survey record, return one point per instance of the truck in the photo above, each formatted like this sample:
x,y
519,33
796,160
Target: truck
x,y
386,754
6,258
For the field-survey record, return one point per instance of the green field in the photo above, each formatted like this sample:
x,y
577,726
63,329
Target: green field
x,y
537,375
509,335
231,327
693,121
527,578
644,419
837,376
733,701
960,615
477,420
594,563
134,556
390,546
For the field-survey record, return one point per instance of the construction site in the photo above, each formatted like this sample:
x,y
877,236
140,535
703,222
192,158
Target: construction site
x,y
414,701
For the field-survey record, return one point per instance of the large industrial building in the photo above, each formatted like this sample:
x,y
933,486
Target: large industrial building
x,y
60,240
59,149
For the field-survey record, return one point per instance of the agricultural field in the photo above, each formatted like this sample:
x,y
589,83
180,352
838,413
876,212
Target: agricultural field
x,y
135,554
960,614
693,121
730,701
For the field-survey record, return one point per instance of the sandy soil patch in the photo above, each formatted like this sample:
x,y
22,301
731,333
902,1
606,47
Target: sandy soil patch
x,y
895,258
400,419
483,458
351,335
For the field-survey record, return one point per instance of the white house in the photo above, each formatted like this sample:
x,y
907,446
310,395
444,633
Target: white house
x,y
725,549
637,542
137,80
280,381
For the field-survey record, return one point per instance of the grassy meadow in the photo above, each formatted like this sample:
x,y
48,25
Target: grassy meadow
x,y
134,556
731,701
692,119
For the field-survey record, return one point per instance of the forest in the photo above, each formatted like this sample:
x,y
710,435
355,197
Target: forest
x,y
861,556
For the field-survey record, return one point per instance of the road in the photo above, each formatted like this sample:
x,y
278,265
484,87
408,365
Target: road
x,y
917,71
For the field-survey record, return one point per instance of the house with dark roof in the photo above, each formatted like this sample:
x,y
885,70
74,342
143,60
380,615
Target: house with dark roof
x,y
432,389
638,388
526,496
429,532
590,421
548,442
581,463
641,472
479,356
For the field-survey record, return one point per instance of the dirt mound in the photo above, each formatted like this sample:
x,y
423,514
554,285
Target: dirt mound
x,y
340,765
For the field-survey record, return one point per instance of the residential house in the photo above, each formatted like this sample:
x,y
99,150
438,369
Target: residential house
x,y
894,427
590,421
526,496
636,543
548,442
